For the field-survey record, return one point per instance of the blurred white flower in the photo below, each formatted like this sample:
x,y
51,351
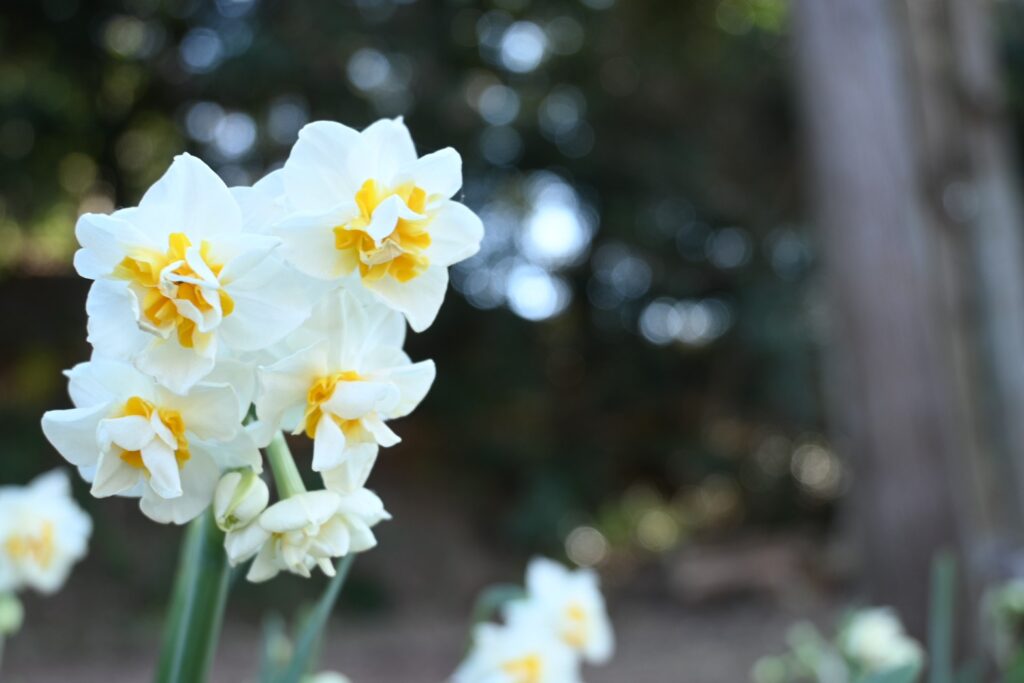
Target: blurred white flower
x,y
568,604
178,281
874,640
327,677
239,498
342,387
307,530
42,533
363,209
517,654
130,436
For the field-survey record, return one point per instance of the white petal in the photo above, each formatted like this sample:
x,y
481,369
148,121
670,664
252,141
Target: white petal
x,y
113,320
103,380
353,400
73,432
265,566
413,382
299,511
210,411
198,480
242,253
263,204
418,299
284,385
164,476
176,367
105,240
192,199
385,217
383,151
328,445
263,318
240,451
241,544
309,242
438,173
381,432
362,538
241,376
353,472
314,176
131,432
455,234
113,476
383,328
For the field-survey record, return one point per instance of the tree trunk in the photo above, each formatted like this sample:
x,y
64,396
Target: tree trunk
x,y
896,396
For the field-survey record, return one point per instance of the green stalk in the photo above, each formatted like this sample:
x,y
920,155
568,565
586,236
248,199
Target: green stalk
x,y
310,634
197,605
286,474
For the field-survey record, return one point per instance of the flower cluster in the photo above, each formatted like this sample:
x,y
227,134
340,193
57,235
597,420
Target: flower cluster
x,y
560,623
219,316
871,645
43,533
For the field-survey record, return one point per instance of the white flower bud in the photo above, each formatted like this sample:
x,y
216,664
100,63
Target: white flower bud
x,y
239,499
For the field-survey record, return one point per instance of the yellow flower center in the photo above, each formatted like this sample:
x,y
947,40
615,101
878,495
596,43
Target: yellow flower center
x,y
171,419
401,254
319,393
39,548
145,269
574,631
526,669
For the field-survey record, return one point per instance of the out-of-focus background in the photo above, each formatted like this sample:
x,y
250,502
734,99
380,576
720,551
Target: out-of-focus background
x,y
746,332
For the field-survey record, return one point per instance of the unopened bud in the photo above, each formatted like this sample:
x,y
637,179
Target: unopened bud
x,y
240,498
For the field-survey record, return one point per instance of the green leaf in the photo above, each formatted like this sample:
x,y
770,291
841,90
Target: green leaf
x,y
1015,672
197,605
493,598
940,619
312,628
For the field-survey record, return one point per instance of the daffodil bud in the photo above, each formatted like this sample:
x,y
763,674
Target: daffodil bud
x,y
240,498
11,615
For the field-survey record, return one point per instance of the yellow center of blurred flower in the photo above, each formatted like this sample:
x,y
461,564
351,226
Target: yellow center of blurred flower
x,y
160,290
39,548
320,392
401,254
574,631
526,669
171,419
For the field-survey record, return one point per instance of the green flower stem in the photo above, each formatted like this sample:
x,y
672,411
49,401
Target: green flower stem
x,y
286,474
197,605
311,633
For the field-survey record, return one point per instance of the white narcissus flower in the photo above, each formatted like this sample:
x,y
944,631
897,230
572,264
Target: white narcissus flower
x,y
516,654
178,281
131,436
362,208
307,530
875,640
341,389
568,604
43,533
